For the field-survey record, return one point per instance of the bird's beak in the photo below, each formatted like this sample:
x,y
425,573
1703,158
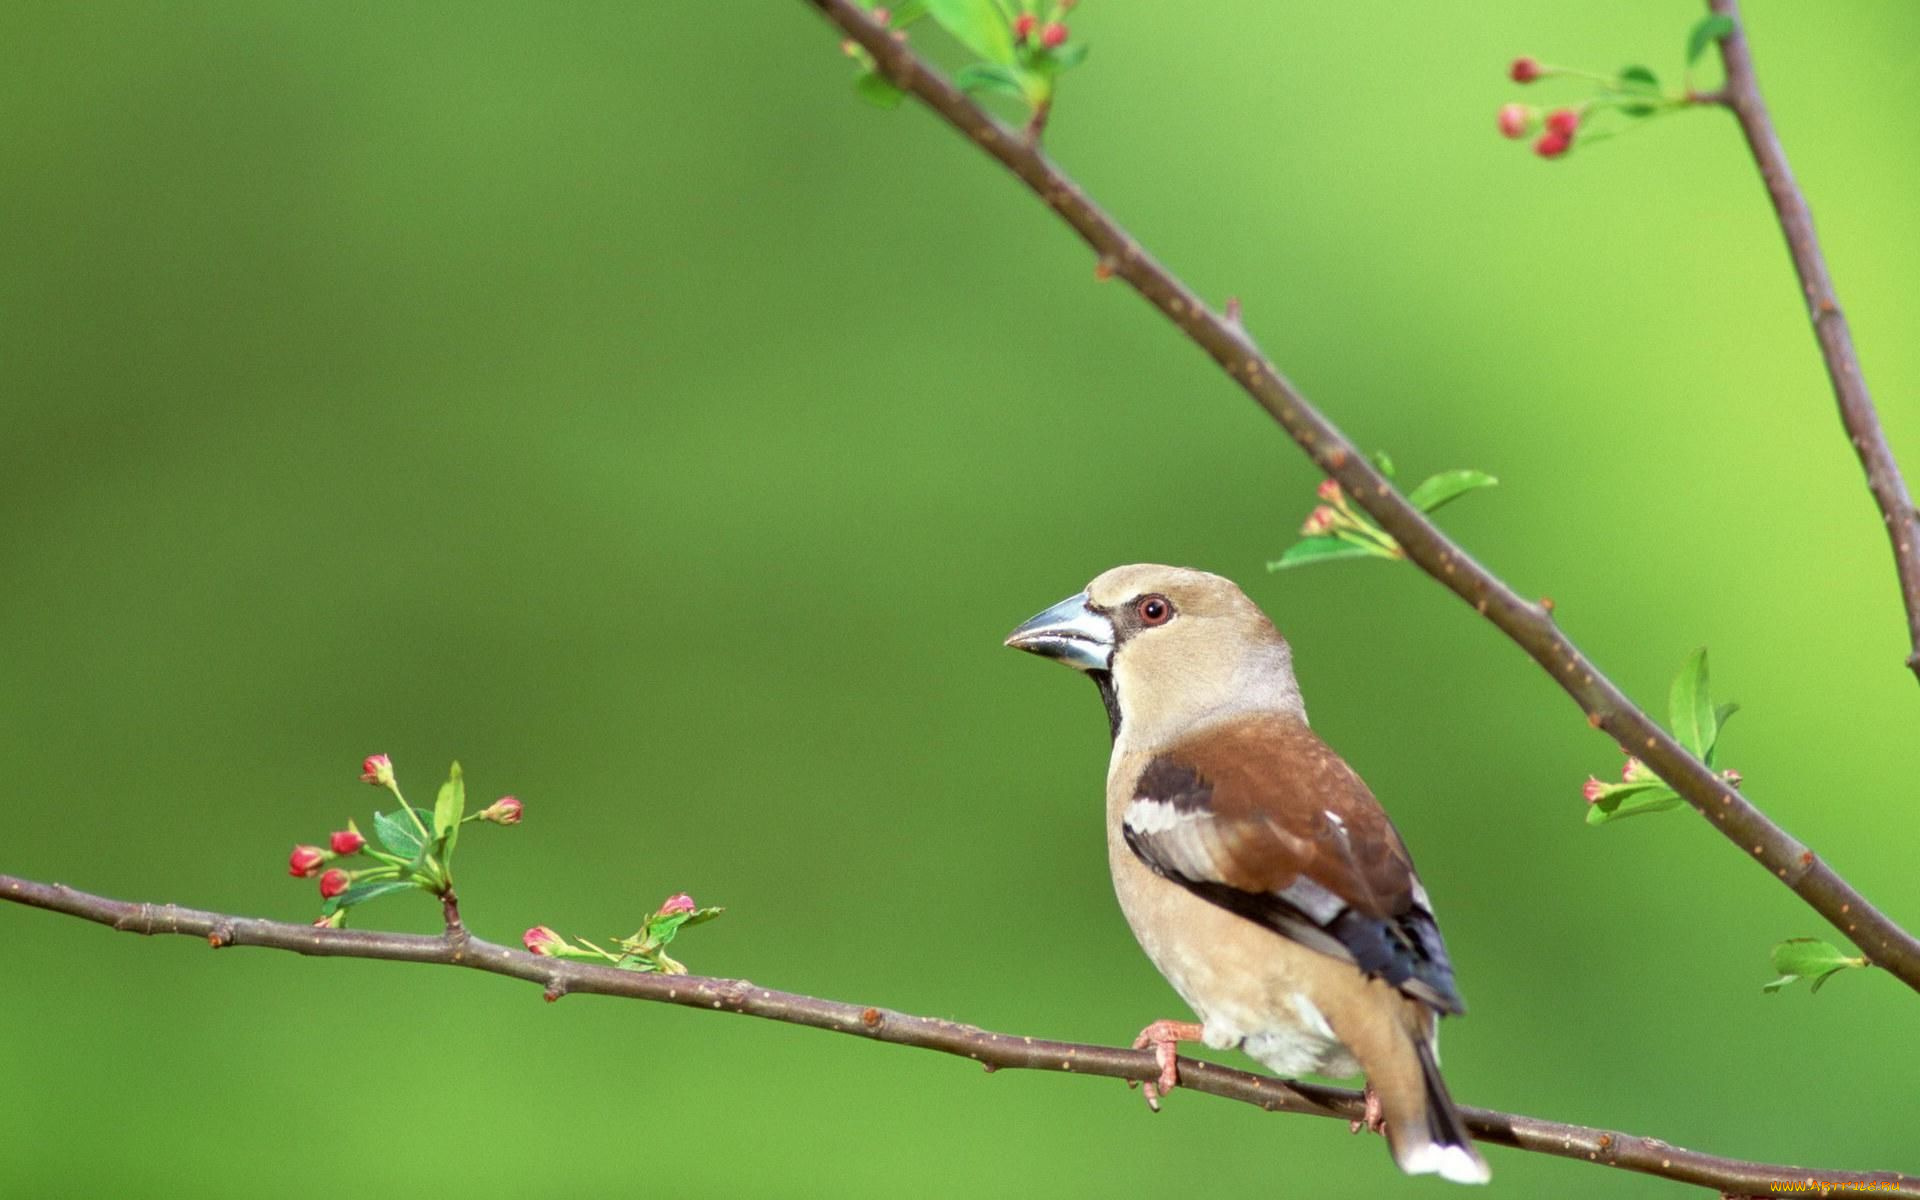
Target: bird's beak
x,y
1071,631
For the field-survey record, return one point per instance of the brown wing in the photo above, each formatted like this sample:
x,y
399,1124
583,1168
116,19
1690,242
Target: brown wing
x,y
1264,819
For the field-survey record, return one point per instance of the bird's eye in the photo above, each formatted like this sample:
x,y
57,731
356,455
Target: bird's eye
x,y
1154,610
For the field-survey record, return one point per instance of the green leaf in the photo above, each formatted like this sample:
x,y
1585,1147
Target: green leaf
x,y
876,89
979,25
661,928
1447,486
1633,800
991,77
1639,81
1318,549
1705,32
1720,714
447,811
1809,956
702,916
1689,709
360,893
1382,462
1810,959
1065,58
397,833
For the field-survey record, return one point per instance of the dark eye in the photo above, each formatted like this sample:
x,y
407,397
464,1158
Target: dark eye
x,y
1154,610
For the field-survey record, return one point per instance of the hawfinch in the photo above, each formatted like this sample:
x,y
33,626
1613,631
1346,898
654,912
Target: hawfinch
x,y
1256,869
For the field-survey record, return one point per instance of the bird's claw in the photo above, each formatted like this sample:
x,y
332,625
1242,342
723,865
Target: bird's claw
x,y
1373,1117
1165,1038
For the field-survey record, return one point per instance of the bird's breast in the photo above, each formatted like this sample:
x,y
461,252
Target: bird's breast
x,y
1251,988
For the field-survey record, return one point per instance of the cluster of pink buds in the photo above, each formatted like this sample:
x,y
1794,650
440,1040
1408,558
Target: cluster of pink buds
x,y
1336,516
1634,774
1520,120
306,861
414,847
1051,33
645,950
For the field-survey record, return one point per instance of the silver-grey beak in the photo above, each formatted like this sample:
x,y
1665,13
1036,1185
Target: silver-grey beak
x,y
1070,631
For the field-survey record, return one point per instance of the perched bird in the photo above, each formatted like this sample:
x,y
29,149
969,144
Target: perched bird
x,y
1256,869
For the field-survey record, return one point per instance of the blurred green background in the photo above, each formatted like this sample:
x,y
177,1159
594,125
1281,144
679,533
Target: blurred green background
x,y
601,394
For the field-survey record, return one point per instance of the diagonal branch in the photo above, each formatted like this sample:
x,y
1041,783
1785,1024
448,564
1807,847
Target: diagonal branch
x,y
1528,625
995,1051
1862,420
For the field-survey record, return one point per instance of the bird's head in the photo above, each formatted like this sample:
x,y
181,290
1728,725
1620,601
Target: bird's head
x,y
1173,650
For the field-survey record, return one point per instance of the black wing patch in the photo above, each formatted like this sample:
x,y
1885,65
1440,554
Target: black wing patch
x,y
1171,827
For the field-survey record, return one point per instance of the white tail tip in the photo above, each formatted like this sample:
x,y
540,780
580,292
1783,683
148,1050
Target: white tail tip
x,y
1456,1163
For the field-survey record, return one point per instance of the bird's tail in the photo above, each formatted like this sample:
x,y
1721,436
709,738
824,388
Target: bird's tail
x,y
1439,1144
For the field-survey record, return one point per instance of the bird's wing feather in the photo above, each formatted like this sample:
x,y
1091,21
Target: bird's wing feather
x,y
1265,820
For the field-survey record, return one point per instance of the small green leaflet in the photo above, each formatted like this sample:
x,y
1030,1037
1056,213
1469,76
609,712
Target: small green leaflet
x,y
397,833
979,25
1318,549
1382,462
1706,32
1810,959
1690,711
1639,81
448,809
1052,62
1633,801
876,89
1448,486
992,77
662,929
360,893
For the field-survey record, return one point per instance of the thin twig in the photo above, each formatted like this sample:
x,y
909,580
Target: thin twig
x,y
995,1051
1862,420
1527,624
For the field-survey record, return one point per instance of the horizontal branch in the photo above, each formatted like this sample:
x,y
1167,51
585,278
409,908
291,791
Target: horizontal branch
x,y
995,1051
1857,413
1528,625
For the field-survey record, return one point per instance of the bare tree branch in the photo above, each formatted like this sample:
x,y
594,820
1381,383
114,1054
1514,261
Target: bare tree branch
x,y
1527,624
457,948
1857,413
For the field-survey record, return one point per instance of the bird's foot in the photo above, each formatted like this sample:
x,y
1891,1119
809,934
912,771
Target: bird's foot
x,y
1373,1117
1165,1038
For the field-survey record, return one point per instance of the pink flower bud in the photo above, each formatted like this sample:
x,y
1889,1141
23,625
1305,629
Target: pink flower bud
x,y
347,841
1732,777
1635,771
377,769
1329,490
1563,121
679,902
1594,789
1023,26
1053,35
334,882
1524,70
1319,522
543,941
1515,120
504,811
304,862
1552,145
882,15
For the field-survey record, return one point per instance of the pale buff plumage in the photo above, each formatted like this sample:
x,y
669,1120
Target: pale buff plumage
x,y
1213,688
